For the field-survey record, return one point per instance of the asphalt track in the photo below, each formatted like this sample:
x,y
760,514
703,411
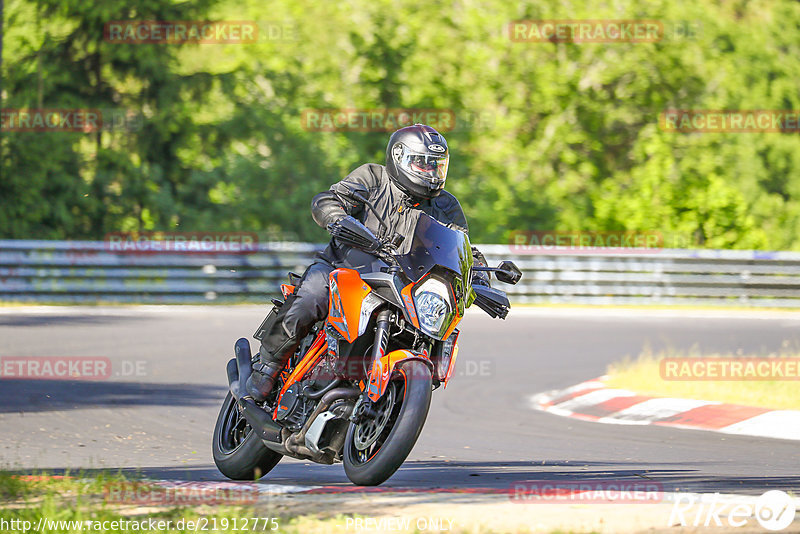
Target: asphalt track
x,y
156,412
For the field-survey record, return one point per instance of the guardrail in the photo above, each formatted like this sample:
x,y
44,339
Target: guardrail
x,y
87,271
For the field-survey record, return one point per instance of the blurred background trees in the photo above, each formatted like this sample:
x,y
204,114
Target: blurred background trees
x,y
548,136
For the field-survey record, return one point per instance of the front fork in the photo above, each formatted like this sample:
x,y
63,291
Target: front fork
x,y
363,407
381,336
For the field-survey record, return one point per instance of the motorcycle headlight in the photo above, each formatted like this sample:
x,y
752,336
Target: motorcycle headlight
x,y
432,300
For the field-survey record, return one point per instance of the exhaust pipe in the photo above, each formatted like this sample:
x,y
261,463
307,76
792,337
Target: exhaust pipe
x,y
295,443
239,370
244,362
233,378
260,420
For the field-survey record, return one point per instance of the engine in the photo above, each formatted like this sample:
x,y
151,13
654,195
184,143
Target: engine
x,y
294,408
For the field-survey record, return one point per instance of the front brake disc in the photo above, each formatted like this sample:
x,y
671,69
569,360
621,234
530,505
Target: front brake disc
x,y
369,429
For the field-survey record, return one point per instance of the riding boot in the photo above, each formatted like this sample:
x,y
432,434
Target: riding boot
x,y
276,349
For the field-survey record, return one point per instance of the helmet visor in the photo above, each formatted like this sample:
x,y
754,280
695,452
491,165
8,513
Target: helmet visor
x,y
431,168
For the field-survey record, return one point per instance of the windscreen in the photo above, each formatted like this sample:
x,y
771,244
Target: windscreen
x,y
435,244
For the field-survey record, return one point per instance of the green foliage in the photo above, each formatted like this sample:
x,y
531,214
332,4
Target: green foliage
x,y
567,136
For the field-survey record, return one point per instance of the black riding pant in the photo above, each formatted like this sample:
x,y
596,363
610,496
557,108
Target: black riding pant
x,y
310,301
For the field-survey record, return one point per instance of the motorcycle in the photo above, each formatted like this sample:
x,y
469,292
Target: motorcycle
x,y
359,386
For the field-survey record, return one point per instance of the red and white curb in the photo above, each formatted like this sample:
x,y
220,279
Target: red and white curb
x,y
593,401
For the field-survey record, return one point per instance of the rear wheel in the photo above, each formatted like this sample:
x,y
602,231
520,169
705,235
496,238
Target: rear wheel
x,y
374,449
238,451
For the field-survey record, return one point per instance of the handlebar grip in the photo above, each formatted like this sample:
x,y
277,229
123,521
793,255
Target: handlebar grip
x,y
351,231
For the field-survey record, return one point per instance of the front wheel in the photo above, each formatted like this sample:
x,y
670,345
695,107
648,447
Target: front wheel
x,y
374,449
238,451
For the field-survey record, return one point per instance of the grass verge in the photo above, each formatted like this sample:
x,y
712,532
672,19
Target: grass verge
x,y
78,503
643,375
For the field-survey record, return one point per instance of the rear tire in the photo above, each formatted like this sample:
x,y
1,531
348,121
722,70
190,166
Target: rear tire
x,y
238,451
411,404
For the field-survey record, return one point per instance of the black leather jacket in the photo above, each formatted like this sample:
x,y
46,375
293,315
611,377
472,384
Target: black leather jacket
x,y
395,206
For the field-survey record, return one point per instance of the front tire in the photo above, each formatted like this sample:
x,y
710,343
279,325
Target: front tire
x,y
410,392
238,451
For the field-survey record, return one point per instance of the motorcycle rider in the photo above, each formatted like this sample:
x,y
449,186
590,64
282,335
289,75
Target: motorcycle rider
x,y
412,180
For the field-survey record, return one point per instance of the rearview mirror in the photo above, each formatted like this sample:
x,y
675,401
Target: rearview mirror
x,y
508,273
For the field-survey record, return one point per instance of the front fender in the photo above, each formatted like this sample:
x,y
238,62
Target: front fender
x,y
382,370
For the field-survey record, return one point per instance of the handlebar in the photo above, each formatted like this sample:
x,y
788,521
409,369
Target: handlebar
x,y
387,248
352,232
367,203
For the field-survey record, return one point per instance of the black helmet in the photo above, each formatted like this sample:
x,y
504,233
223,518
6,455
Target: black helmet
x,y
416,160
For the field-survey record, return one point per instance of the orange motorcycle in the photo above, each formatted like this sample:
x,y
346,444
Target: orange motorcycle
x,y
358,388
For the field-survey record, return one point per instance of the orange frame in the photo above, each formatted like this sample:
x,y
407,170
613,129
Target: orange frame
x,y
344,312
311,358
